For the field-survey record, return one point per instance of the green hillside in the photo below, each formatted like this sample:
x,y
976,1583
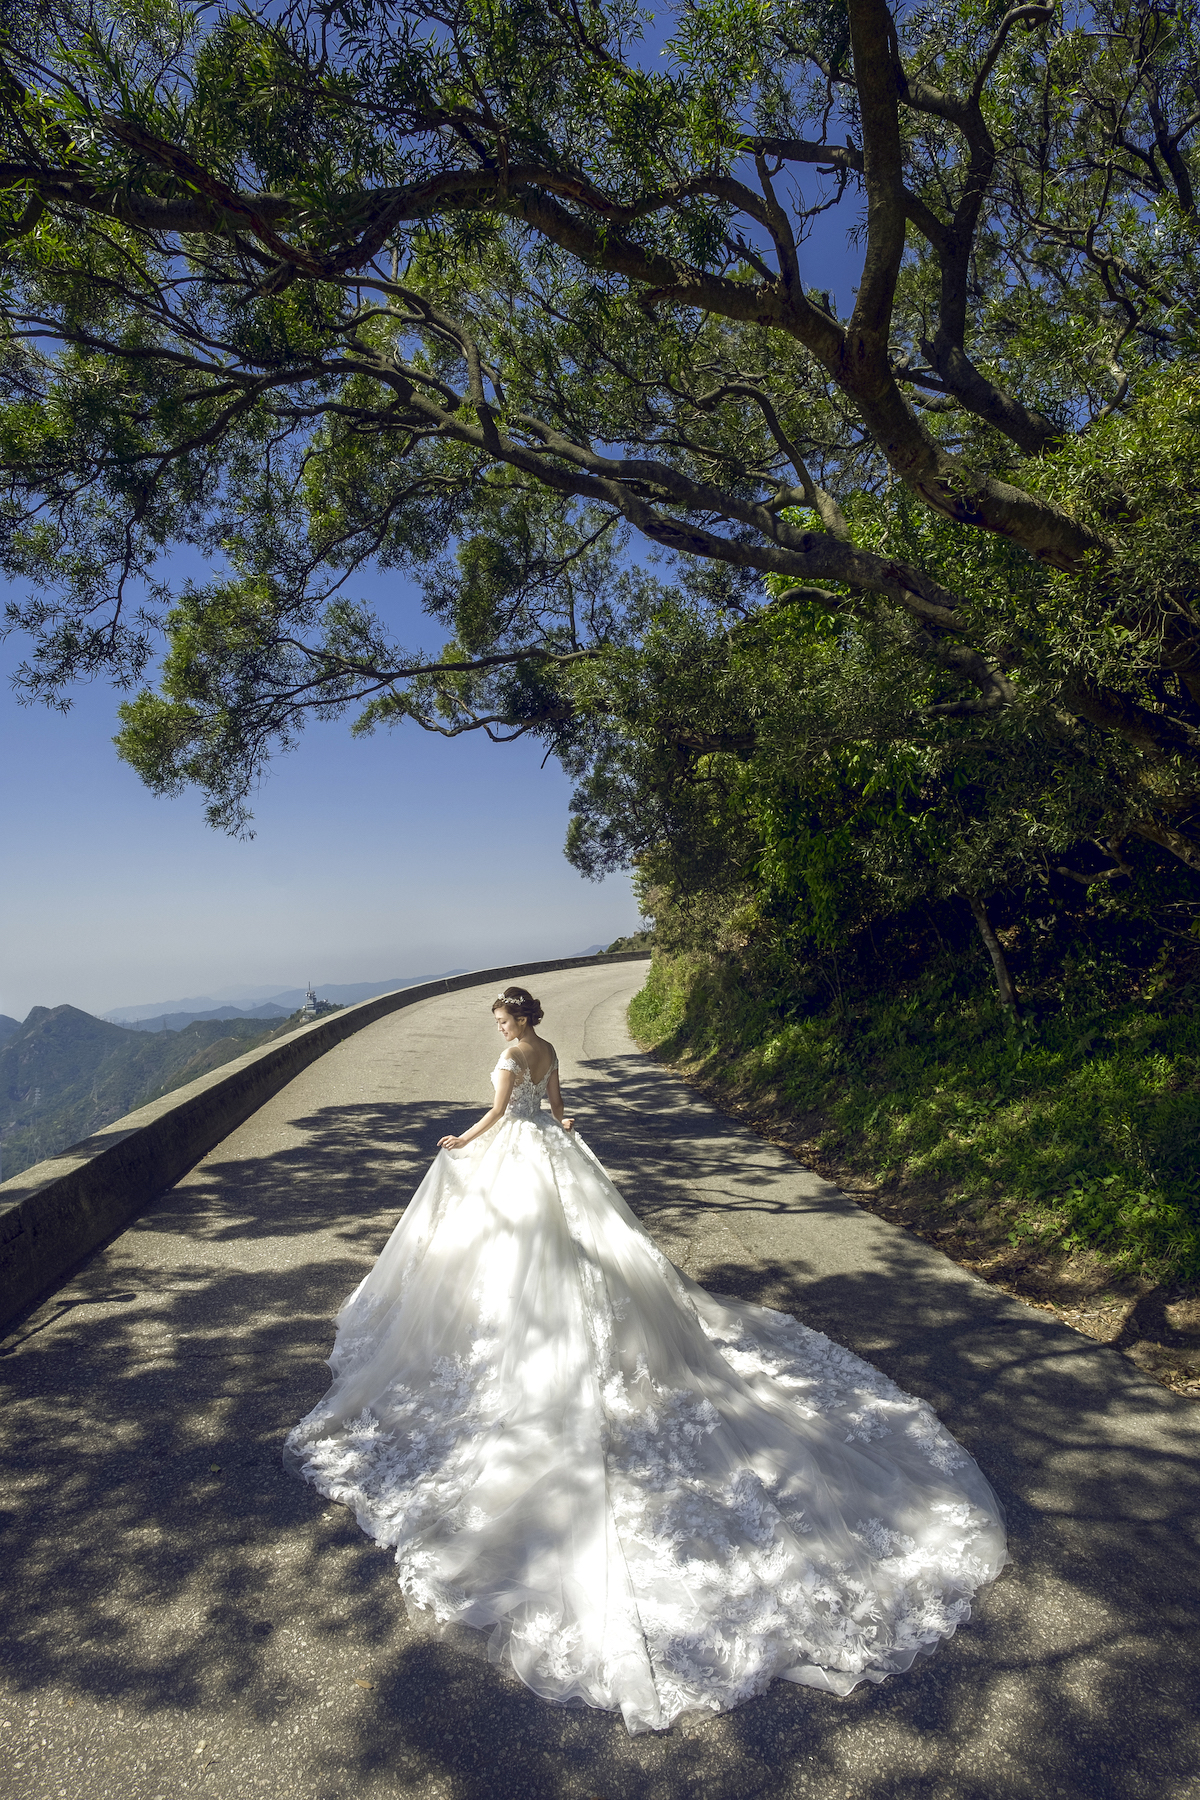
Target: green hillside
x,y
65,1074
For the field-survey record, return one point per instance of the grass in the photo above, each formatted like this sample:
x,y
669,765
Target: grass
x,y
1075,1134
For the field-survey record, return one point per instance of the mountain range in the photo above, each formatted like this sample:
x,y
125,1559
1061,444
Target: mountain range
x,y
260,1003
173,1015
65,1074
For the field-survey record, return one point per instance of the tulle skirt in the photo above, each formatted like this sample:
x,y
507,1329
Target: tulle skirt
x,y
650,1499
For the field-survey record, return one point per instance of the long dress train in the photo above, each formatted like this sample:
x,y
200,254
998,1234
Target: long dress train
x,y
653,1500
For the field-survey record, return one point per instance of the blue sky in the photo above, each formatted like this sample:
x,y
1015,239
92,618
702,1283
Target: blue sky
x,y
398,854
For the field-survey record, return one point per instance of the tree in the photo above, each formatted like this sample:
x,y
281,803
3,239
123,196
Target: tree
x,y
494,294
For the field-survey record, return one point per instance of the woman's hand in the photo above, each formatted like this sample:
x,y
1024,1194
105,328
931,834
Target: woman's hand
x,y
567,1124
450,1143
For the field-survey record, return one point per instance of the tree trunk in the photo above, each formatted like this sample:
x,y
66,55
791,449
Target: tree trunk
x,y
1004,981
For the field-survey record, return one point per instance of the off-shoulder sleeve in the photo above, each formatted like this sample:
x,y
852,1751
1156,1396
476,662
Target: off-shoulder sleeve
x,y
510,1062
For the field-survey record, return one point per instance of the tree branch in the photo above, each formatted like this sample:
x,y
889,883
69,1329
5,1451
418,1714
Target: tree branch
x,y
876,68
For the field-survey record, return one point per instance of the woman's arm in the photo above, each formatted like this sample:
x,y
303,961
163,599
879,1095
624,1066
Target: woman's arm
x,y
504,1088
554,1095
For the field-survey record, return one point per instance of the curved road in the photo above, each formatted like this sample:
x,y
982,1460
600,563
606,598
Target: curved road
x,y
182,1617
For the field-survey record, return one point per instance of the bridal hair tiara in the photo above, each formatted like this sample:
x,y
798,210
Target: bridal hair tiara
x,y
521,1003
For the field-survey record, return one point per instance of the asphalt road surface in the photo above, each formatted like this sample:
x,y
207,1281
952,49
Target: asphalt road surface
x,y
180,1616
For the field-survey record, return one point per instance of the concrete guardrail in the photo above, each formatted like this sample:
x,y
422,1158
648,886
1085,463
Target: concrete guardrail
x,y
59,1211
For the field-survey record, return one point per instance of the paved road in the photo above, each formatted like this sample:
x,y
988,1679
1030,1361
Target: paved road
x,y
180,1616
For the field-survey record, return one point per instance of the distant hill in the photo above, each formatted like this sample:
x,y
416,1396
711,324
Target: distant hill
x,y
176,1021
7,1027
65,1074
173,1015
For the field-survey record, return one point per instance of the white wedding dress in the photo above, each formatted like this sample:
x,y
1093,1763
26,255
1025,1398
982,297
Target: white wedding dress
x,y
651,1499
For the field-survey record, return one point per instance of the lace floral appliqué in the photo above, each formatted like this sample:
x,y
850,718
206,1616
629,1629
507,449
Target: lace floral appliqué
x,y
650,1499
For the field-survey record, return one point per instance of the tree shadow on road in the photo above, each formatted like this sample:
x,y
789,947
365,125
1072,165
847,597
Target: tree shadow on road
x,y
158,1556
348,1165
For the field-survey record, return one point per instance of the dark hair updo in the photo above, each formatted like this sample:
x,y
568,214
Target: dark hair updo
x,y
521,1004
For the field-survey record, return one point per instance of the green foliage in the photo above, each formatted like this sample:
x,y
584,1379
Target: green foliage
x,y
800,761
797,773
1082,1133
826,617
636,940
1134,474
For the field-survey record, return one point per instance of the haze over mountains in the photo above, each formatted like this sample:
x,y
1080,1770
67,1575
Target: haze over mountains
x,y
174,1015
266,1003
65,1074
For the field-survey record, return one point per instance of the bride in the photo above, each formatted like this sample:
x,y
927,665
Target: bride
x,y
651,1499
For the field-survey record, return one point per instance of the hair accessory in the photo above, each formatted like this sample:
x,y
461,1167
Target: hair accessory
x,y
521,1003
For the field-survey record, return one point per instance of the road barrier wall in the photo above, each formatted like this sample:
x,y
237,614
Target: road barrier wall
x,y
61,1210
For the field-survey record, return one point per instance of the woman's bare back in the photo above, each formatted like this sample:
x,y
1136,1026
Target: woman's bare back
x,y
535,1054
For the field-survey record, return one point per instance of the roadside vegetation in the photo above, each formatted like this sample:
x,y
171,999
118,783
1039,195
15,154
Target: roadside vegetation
x,y
1077,1130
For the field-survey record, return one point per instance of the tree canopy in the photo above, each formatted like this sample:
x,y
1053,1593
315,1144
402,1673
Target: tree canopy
x,y
527,299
